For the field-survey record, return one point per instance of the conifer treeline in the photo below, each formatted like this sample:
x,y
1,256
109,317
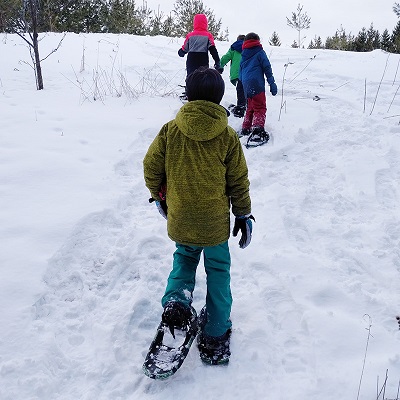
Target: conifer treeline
x,y
109,16
124,16
366,40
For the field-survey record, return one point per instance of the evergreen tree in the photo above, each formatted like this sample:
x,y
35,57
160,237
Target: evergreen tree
x,y
184,12
299,21
360,41
373,39
395,38
120,16
316,43
274,40
339,41
396,9
294,44
9,10
386,43
168,27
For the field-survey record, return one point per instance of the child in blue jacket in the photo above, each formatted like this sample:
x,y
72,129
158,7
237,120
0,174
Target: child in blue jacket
x,y
253,66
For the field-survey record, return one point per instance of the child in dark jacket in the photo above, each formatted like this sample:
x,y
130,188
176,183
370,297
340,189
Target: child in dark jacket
x,y
253,66
197,45
200,158
234,56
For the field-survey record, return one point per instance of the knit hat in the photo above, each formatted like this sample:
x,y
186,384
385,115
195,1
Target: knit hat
x,y
205,84
252,36
241,37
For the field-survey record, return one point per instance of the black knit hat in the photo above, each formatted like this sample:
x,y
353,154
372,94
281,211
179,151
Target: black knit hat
x,y
205,84
252,36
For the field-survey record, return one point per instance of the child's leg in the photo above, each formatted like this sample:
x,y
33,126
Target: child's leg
x,y
217,262
182,278
241,98
260,109
248,117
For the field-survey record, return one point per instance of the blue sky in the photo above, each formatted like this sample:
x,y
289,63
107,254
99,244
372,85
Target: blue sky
x,y
326,16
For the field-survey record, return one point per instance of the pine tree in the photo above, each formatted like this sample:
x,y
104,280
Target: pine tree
x,y
395,38
184,12
360,42
339,41
396,9
299,21
274,40
316,43
373,39
386,43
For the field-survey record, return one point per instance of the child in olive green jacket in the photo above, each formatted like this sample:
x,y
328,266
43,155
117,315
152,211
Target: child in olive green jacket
x,y
200,161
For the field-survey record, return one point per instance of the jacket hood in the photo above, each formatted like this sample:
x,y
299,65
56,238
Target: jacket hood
x,y
237,46
200,22
201,120
250,52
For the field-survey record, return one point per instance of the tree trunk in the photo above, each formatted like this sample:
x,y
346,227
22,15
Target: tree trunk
x,y
35,43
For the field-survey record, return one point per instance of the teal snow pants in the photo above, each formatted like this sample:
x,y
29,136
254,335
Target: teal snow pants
x,y
181,282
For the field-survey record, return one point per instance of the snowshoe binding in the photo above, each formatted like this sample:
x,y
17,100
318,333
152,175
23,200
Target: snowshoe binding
x,y
257,137
213,350
175,334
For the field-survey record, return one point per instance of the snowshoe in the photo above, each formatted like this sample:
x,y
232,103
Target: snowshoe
x,y
258,137
213,350
174,337
237,111
244,132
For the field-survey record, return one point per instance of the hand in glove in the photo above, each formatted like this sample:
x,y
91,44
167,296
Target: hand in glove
x,y
181,53
218,67
273,89
244,224
161,206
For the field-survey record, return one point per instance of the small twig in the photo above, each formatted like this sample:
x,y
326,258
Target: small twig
x,y
344,84
392,116
365,354
394,79
380,83
365,92
283,82
54,50
390,105
383,389
313,58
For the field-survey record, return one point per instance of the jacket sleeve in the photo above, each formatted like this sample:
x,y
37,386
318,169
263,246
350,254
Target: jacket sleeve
x,y
238,185
214,53
266,65
226,58
154,164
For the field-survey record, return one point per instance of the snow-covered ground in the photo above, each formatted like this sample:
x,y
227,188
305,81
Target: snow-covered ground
x,y
85,257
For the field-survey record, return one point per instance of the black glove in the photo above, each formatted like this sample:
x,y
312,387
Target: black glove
x,y
244,224
273,89
161,206
218,67
181,53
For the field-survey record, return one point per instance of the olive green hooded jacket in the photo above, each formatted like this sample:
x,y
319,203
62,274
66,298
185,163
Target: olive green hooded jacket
x,y
202,162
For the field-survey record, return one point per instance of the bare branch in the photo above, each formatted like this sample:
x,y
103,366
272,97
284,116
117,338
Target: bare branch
x,y
54,50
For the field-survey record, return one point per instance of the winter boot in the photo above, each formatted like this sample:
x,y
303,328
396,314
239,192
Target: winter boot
x,y
238,111
177,315
257,137
244,132
213,350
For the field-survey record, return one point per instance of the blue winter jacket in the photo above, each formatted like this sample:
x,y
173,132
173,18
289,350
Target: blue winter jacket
x,y
253,66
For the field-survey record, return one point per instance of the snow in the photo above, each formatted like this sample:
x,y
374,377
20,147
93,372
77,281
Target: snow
x,y
85,257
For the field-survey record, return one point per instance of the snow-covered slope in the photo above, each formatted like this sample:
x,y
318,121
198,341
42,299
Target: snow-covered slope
x,y
85,257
